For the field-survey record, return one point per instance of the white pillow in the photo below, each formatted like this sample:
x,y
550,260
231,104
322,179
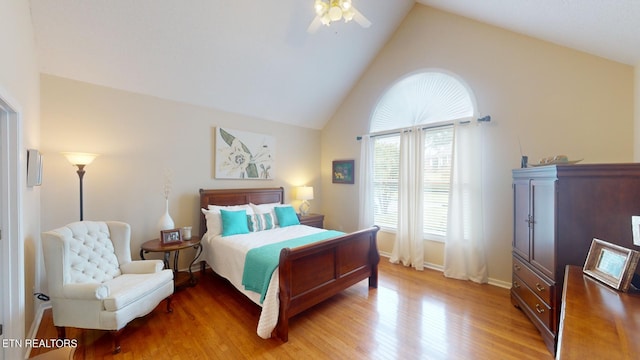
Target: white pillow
x,y
266,209
214,221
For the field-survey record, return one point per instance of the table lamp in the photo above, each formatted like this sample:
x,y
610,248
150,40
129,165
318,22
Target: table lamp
x,y
305,193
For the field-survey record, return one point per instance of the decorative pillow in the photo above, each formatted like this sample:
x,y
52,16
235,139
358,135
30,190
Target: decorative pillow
x,y
266,209
212,215
286,216
234,222
259,222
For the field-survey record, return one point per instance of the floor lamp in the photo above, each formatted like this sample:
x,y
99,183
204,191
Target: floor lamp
x,y
80,160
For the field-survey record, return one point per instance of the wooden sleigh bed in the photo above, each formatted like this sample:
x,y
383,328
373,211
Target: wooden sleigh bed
x,y
311,273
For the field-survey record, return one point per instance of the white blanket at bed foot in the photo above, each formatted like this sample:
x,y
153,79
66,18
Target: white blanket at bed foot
x,y
270,308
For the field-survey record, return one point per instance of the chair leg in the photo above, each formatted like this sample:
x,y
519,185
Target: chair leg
x,y
62,334
115,335
168,300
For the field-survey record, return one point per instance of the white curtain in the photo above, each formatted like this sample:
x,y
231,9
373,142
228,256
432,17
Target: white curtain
x,y
409,245
366,218
464,256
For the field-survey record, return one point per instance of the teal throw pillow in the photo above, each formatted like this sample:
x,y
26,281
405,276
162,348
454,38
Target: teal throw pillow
x,y
234,222
286,216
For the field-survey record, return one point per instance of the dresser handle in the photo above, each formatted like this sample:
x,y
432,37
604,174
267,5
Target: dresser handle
x,y
539,309
539,287
517,267
516,285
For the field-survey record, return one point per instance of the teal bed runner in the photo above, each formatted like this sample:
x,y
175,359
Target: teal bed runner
x,y
260,262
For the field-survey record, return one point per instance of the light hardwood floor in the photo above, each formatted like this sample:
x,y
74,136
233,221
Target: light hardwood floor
x,y
411,315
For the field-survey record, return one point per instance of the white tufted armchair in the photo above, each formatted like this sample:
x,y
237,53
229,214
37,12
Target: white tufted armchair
x,y
93,283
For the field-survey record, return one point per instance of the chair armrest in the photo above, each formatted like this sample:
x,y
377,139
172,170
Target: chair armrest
x,y
86,291
142,267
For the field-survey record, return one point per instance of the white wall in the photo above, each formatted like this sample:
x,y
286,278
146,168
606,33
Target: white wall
x,y
553,99
138,137
19,85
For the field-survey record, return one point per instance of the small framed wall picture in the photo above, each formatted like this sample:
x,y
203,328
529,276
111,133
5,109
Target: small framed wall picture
x,y
172,236
611,264
342,172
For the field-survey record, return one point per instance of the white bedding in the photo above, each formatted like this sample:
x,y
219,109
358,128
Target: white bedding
x,y
226,257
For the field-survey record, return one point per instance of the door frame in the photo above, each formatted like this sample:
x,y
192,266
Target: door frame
x,y
12,244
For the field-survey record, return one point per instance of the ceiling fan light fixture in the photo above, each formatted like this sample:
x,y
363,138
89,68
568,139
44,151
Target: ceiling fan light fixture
x,y
348,15
335,13
324,19
328,11
320,7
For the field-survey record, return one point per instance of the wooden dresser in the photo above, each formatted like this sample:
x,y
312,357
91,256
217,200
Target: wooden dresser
x,y
558,210
596,321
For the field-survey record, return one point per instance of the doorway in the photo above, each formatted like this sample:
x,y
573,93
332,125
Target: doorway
x,y
12,304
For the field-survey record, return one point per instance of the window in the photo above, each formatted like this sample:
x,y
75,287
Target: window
x,y
437,172
385,180
433,101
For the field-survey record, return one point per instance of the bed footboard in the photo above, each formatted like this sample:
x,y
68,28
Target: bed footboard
x,y
312,273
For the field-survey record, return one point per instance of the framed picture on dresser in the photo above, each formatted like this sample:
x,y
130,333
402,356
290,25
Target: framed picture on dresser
x,y
611,264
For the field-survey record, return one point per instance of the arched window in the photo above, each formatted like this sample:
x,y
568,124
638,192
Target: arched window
x,y
421,99
431,101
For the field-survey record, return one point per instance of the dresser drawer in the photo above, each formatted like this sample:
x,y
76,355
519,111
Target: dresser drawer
x,y
537,307
541,287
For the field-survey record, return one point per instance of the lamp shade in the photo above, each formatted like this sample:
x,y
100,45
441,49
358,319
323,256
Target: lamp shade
x,y
79,158
305,193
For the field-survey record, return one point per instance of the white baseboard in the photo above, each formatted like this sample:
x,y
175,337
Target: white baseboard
x,y
494,282
500,283
35,325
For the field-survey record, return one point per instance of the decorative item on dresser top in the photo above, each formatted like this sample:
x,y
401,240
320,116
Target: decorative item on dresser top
x,y
611,264
558,210
307,272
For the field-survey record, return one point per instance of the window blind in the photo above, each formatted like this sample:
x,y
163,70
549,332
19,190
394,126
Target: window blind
x,y
385,180
438,149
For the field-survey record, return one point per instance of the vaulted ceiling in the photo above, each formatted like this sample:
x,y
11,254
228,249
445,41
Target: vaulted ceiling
x,y
256,57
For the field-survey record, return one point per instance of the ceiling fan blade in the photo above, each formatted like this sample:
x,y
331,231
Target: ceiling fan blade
x,y
360,19
315,25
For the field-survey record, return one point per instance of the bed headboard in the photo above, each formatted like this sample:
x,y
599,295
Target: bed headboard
x,y
226,197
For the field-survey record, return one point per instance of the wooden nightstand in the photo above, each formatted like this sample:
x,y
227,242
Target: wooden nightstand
x,y
315,220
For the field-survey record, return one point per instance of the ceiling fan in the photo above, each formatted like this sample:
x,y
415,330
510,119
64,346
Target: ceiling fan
x,y
328,11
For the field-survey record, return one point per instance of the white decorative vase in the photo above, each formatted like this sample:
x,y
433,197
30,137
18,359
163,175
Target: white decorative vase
x,y
165,222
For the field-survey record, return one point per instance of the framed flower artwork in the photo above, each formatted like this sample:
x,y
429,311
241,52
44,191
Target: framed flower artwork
x,y
244,155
